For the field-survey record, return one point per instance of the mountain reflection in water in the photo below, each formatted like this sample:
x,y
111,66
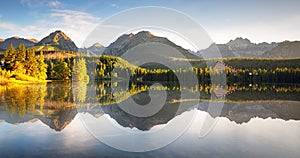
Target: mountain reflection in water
x,y
57,104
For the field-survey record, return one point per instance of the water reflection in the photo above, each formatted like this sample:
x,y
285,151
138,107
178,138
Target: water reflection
x,y
50,103
56,104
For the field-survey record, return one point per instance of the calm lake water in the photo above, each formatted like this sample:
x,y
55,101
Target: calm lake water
x,y
65,120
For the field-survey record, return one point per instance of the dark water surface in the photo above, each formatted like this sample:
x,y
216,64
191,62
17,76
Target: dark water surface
x,y
55,120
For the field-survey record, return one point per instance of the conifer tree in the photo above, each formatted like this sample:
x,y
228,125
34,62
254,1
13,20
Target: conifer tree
x,y
61,70
31,64
80,71
21,53
42,67
50,70
20,59
9,57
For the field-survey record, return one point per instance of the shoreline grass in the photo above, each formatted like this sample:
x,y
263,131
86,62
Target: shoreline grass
x,y
5,81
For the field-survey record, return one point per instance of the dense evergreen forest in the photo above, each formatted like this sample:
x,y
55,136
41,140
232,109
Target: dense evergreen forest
x,y
236,70
23,64
29,65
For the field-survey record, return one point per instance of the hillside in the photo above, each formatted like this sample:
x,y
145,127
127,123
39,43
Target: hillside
x,y
284,49
107,64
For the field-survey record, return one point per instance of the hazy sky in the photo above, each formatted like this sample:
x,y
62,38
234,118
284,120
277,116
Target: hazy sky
x,y
258,20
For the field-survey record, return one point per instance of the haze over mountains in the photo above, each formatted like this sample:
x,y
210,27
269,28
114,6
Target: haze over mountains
x,y
240,47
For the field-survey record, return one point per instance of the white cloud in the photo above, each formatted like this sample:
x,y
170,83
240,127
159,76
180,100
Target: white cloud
x,y
54,3
30,31
8,26
33,3
75,24
71,16
114,5
40,3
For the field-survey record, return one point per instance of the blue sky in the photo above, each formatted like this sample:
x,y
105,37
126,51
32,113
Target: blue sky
x,y
266,20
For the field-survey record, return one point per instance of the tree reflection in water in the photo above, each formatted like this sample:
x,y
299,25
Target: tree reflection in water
x,y
56,104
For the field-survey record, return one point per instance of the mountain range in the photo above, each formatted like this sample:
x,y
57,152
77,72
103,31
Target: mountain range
x,y
129,41
243,47
239,47
15,41
290,49
56,40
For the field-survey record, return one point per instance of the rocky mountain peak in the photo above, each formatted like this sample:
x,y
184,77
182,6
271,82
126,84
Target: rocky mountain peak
x,y
128,41
144,33
97,45
58,35
239,43
59,39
